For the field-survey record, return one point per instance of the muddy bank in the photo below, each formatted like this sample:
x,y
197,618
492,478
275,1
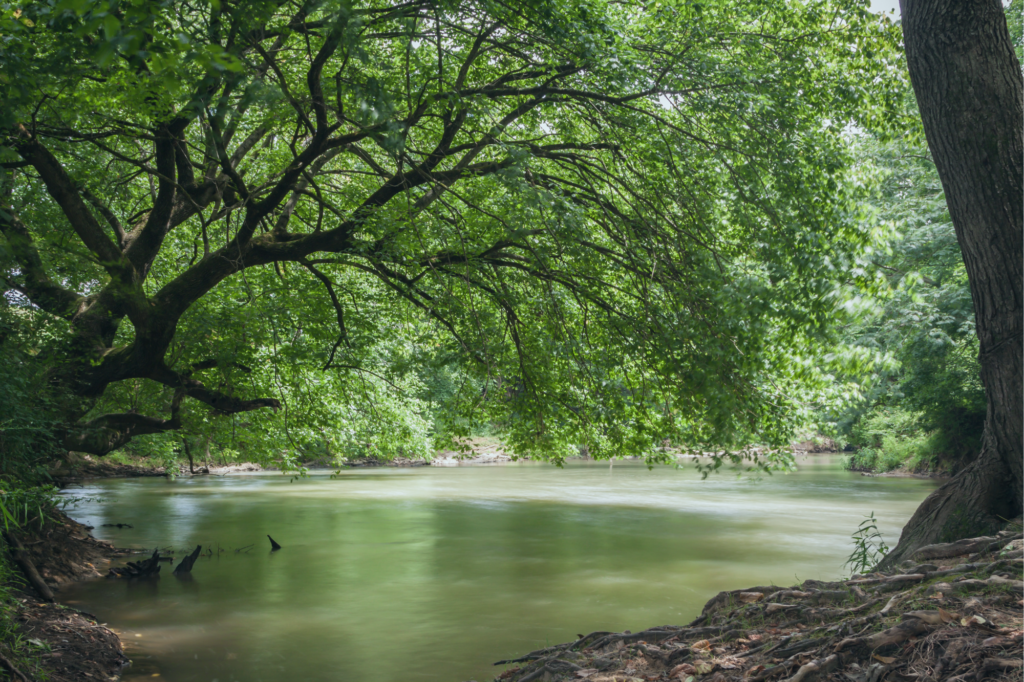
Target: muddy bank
x,y
79,648
953,614
73,646
64,551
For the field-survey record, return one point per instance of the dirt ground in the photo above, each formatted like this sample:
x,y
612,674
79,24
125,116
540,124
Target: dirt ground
x,y
951,619
78,649
65,551
74,647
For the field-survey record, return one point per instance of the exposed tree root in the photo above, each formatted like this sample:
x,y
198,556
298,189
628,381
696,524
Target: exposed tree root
x,y
954,622
28,568
15,673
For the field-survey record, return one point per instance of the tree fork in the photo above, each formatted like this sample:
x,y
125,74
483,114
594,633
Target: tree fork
x,y
969,88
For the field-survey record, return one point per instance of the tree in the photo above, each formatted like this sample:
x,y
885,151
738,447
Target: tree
x,y
968,84
925,402
627,223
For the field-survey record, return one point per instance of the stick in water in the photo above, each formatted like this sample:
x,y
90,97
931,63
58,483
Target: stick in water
x,y
273,545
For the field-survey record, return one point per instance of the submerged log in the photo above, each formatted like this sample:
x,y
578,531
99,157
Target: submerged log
x,y
186,563
139,569
20,557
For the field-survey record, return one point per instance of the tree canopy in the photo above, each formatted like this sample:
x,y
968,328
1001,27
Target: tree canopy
x,y
593,222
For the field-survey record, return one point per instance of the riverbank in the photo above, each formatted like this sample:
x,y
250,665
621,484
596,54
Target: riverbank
x,y
476,451
58,642
952,614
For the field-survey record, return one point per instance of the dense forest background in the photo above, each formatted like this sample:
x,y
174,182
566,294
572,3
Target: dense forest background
x,y
884,362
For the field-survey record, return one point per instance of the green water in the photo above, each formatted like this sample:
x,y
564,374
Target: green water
x,y
435,573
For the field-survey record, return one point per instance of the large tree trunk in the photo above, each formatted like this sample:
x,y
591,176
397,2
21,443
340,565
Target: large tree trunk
x,y
968,84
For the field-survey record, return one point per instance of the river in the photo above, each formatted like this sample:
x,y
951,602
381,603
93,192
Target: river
x,y
432,574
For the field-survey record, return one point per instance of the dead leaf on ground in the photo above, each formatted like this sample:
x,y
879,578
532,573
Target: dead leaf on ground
x,y
884,659
946,616
703,667
682,670
750,597
701,645
728,663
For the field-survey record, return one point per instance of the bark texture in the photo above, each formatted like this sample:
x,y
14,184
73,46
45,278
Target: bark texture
x,y
969,88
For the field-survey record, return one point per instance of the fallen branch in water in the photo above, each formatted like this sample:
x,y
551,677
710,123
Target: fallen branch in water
x,y
139,569
187,562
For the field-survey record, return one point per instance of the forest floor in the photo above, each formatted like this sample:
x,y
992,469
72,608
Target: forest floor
x,y
952,614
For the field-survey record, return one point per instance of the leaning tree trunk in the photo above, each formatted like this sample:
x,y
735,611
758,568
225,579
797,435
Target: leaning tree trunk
x,y
968,84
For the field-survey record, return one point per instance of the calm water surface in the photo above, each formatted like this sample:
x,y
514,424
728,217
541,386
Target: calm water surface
x,y
435,573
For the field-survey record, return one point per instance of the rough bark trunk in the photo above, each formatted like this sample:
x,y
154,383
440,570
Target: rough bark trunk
x,y
969,88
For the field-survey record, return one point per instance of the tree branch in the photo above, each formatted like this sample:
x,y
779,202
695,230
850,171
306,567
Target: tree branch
x,y
62,189
38,286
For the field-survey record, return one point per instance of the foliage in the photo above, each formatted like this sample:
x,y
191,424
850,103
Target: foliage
x,y
869,547
30,411
21,508
389,224
24,507
926,403
21,651
1015,23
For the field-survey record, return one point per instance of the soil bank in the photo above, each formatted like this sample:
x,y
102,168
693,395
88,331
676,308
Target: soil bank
x,y
74,647
952,615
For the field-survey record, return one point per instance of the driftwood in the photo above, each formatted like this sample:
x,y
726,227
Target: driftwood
x,y
139,569
186,563
27,567
273,545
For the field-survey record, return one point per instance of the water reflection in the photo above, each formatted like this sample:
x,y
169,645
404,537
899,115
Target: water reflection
x,y
432,574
